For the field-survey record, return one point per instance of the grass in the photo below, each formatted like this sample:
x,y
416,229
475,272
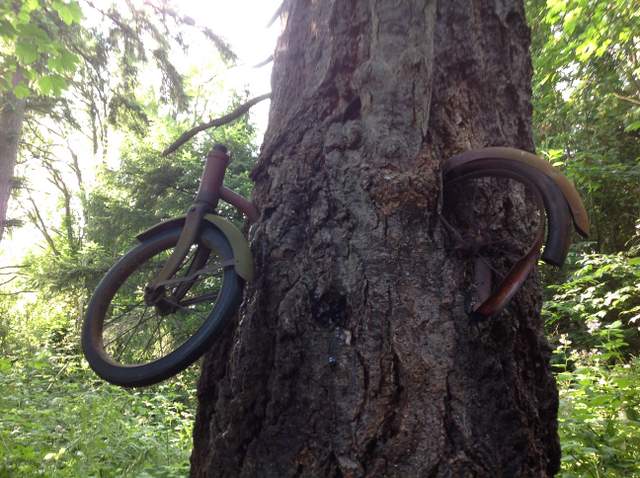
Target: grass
x,y
57,419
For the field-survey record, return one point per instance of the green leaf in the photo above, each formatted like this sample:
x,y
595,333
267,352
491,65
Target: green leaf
x,y
555,6
68,12
21,91
69,60
603,47
51,85
29,6
6,29
58,84
5,365
570,21
586,49
632,127
44,85
76,11
64,62
34,33
26,52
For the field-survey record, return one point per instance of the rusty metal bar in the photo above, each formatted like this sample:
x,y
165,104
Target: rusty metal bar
x,y
241,203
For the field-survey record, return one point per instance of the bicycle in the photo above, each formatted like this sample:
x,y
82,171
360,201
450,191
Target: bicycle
x,y
157,309
160,306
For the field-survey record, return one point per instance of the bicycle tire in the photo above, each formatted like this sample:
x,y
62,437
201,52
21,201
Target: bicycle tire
x,y
102,305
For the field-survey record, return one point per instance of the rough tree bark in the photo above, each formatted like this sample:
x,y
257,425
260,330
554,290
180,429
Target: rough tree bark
x,y
353,355
11,117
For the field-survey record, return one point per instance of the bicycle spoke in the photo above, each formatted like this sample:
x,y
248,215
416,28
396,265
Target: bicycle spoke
x,y
160,343
146,347
138,324
460,240
129,309
486,262
199,299
123,348
195,277
137,332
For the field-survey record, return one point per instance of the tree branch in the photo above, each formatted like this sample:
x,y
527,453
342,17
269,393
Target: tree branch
x,y
626,98
264,62
279,12
228,118
223,47
8,280
40,224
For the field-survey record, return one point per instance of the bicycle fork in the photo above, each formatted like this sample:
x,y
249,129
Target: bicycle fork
x,y
206,201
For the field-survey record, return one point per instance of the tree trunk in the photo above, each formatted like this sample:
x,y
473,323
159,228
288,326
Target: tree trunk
x,y
354,356
11,117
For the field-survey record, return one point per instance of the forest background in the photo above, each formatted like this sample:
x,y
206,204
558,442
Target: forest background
x,y
106,87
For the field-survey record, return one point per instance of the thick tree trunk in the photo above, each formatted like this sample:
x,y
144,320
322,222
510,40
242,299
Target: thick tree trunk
x,y
11,117
354,355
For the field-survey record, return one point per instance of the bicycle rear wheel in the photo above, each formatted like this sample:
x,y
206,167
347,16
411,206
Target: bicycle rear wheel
x,y
130,339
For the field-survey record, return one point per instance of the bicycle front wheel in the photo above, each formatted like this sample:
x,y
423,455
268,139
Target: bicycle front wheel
x,y
130,339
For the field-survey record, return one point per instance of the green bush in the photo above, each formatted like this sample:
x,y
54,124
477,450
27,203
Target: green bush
x,y
58,420
599,409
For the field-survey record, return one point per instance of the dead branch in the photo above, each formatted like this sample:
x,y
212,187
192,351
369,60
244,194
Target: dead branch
x,y
228,118
263,62
278,13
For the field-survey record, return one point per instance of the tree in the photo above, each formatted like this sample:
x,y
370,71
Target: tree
x,y
353,355
45,50
11,117
34,57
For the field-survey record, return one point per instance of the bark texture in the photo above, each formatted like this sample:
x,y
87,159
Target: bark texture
x,y
11,117
353,355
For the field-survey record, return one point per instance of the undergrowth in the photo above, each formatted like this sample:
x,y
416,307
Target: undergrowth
x,y
58,420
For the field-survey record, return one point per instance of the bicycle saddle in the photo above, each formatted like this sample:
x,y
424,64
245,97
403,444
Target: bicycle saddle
x,y
553,193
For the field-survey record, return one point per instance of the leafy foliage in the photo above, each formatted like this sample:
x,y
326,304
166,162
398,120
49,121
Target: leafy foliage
x,y
148,188
602,292
58,420
82,79
599,408
35,39
586,96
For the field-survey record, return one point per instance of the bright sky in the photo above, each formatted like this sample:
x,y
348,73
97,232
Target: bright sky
x,y
243,24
